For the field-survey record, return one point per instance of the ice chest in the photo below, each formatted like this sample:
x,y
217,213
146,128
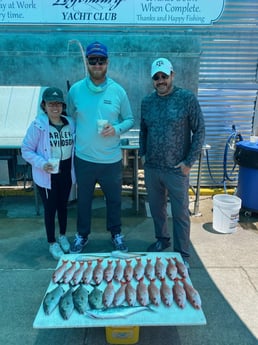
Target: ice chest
x,y
122,335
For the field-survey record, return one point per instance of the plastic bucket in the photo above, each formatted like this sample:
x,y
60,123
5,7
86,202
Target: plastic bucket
x,y
226,212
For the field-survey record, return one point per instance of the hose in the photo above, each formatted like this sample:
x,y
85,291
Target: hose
x,y
230,143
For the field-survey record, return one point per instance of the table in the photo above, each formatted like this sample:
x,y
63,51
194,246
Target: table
x,y
135,149
204,150
162,315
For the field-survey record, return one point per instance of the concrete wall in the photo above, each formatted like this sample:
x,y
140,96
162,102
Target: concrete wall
x,y
46,58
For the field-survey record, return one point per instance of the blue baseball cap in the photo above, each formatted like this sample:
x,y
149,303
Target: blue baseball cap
x,y
96,49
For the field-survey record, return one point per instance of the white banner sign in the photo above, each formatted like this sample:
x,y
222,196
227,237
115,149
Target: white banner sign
x,y
111,12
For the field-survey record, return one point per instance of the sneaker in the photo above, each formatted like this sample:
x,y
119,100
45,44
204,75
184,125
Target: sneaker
x,y
119,244
159,245
56,251
64,243
78,244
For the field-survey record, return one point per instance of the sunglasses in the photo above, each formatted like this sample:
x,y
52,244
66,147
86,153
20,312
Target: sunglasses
x,y
158,77
97,60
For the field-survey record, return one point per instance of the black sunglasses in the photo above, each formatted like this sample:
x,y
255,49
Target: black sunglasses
x,y
97,60
162,76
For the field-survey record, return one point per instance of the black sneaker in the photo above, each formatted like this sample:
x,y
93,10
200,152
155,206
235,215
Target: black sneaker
x,y
119,244
159,245
78,244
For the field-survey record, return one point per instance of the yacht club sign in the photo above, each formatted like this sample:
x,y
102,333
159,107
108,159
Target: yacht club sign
x,y
111,12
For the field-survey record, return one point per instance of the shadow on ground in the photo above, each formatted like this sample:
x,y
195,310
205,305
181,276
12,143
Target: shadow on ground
x,y
26,269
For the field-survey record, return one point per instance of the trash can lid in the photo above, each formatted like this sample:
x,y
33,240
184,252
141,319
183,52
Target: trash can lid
x,y
246,154
247,145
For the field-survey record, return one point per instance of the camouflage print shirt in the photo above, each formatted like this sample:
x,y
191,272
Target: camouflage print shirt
x,y
171,129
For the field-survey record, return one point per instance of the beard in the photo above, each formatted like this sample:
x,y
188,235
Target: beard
x,y
98,75
164,89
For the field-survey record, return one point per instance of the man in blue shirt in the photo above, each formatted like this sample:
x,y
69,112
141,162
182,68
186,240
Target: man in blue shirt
x,y
97,152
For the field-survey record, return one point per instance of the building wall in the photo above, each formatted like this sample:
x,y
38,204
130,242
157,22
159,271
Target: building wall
x,y
56,58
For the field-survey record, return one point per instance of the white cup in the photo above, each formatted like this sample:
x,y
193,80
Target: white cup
x,y
101,125
55,164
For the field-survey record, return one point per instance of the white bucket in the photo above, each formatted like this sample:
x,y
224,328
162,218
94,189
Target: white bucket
x,y
226,212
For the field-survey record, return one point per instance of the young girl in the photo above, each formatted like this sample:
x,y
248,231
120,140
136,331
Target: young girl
x,y
51,135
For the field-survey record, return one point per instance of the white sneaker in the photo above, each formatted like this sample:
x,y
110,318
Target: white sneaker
x,y
56,251
64,243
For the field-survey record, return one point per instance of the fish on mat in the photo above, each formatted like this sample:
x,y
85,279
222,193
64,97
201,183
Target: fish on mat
x,y
108,294
68,274
116,312
80,299
87,274
166,293
109,271
77,276
66,304
142,293
95,298
181,268
138,269
98,272
179,294
192,295
59,272
90,257
118,271
160,268
130,294
128,271
171,269
52,299
120,255
154,293
120,296
149,270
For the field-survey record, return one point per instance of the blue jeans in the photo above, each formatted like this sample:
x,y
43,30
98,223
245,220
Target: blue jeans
x,y
109,177
174,184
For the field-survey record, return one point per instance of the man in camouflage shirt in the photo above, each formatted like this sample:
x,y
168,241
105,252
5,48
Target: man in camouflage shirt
x,y
171,138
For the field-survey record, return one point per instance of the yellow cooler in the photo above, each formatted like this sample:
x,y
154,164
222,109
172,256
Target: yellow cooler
x,y
122,335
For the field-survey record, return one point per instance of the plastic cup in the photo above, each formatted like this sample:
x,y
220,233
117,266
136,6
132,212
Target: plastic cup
x,y
55,164
101,125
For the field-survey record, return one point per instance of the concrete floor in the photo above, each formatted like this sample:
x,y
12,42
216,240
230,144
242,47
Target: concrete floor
x,y
223,269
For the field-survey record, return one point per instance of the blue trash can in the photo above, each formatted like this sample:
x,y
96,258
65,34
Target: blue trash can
x,y
246,156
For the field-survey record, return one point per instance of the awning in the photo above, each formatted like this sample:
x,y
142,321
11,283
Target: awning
x,y
19,105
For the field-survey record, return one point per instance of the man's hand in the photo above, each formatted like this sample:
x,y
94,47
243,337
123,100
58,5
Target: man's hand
x,y
185,169
108,131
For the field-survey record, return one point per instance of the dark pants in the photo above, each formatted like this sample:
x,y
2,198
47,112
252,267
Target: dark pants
x,y
55,201
109,177
174,184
